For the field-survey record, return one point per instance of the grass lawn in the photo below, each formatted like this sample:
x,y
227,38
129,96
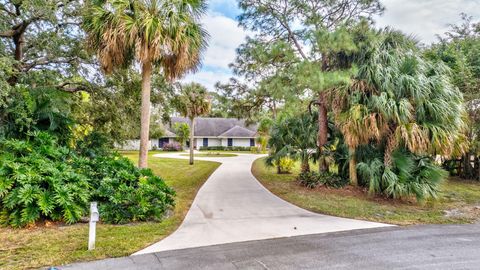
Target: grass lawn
x,y
458,202
54,244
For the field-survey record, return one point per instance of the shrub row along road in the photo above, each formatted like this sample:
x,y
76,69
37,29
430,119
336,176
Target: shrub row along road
x,y
418,247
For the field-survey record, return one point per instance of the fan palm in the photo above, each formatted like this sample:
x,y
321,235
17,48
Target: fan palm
x,y
294,137
399,100
192,102
156,33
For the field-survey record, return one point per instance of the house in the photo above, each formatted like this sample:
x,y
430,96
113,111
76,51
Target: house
x,y
227,132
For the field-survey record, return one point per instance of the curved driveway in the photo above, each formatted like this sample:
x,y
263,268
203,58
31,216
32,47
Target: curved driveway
x,y
232,206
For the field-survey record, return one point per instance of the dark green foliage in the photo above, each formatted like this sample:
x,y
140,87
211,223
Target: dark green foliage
x,y
27,111
38,181
309,179
225,148
294,137
125,193
313,179
408,175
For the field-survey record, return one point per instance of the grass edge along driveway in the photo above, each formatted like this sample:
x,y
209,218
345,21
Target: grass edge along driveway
x,y
458,202
54,244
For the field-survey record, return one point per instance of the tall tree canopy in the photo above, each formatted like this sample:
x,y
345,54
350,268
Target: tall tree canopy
x,y
460,50
41,43
159,33
297,43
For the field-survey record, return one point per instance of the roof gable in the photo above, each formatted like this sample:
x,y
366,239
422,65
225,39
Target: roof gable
x,y
214,127
238,131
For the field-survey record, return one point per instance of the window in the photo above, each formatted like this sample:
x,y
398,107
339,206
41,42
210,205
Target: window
x,y
252,142
230,141
205,142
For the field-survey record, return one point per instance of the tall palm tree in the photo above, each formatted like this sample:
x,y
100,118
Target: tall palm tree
x,y
156,33
193,101
398,100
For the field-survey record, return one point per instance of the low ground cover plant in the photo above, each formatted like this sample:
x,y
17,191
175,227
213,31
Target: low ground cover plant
x,y
314,179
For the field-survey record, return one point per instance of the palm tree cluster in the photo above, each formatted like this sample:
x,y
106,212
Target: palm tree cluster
x,y
388,122
406,110
156,33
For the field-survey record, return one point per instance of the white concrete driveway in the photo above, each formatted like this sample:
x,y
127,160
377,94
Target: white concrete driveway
x,y
232,206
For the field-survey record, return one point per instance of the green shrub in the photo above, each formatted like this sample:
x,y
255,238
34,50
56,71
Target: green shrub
x,y
38,181
254,150
314,179
225,148
309,179
409,175
124,193
41,180
332,180
285,165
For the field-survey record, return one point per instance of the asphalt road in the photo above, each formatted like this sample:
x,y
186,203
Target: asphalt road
x,y
416,247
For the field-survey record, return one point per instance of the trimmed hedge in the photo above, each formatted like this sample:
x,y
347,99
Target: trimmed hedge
x,y
225,148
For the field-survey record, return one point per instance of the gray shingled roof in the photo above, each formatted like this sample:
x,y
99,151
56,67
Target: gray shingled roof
x,y
214,127
169,134
237,131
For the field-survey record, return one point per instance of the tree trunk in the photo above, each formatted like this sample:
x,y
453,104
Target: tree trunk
x,y
352,167
305,165
322,135
145,114
19,43
192,130
478,168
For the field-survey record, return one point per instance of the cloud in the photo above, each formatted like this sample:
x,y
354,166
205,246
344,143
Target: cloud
x,y
426,18
225,37
208,78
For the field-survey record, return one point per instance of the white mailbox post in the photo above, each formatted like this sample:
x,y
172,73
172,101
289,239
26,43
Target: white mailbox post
x,y
94,217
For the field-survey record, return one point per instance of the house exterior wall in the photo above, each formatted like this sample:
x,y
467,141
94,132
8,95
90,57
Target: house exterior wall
x,y
134,145
244,142
198,142
211,141
214,142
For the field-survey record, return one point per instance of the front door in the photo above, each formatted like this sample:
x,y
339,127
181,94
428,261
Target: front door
x,y
230,142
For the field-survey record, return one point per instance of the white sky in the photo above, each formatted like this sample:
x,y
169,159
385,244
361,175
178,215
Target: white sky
x,y
422,18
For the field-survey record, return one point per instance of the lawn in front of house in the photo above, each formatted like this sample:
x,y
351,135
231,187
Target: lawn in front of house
x,y
55,244
458,202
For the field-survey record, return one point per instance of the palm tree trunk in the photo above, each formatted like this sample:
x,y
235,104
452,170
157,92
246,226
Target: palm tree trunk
x,y
352,167
305,165
322,131
192,130
145,114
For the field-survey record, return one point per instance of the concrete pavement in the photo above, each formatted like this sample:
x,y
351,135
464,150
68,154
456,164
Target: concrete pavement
x,y
232,206
434,247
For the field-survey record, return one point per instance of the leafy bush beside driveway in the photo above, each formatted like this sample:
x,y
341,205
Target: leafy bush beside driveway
x,y
41,180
